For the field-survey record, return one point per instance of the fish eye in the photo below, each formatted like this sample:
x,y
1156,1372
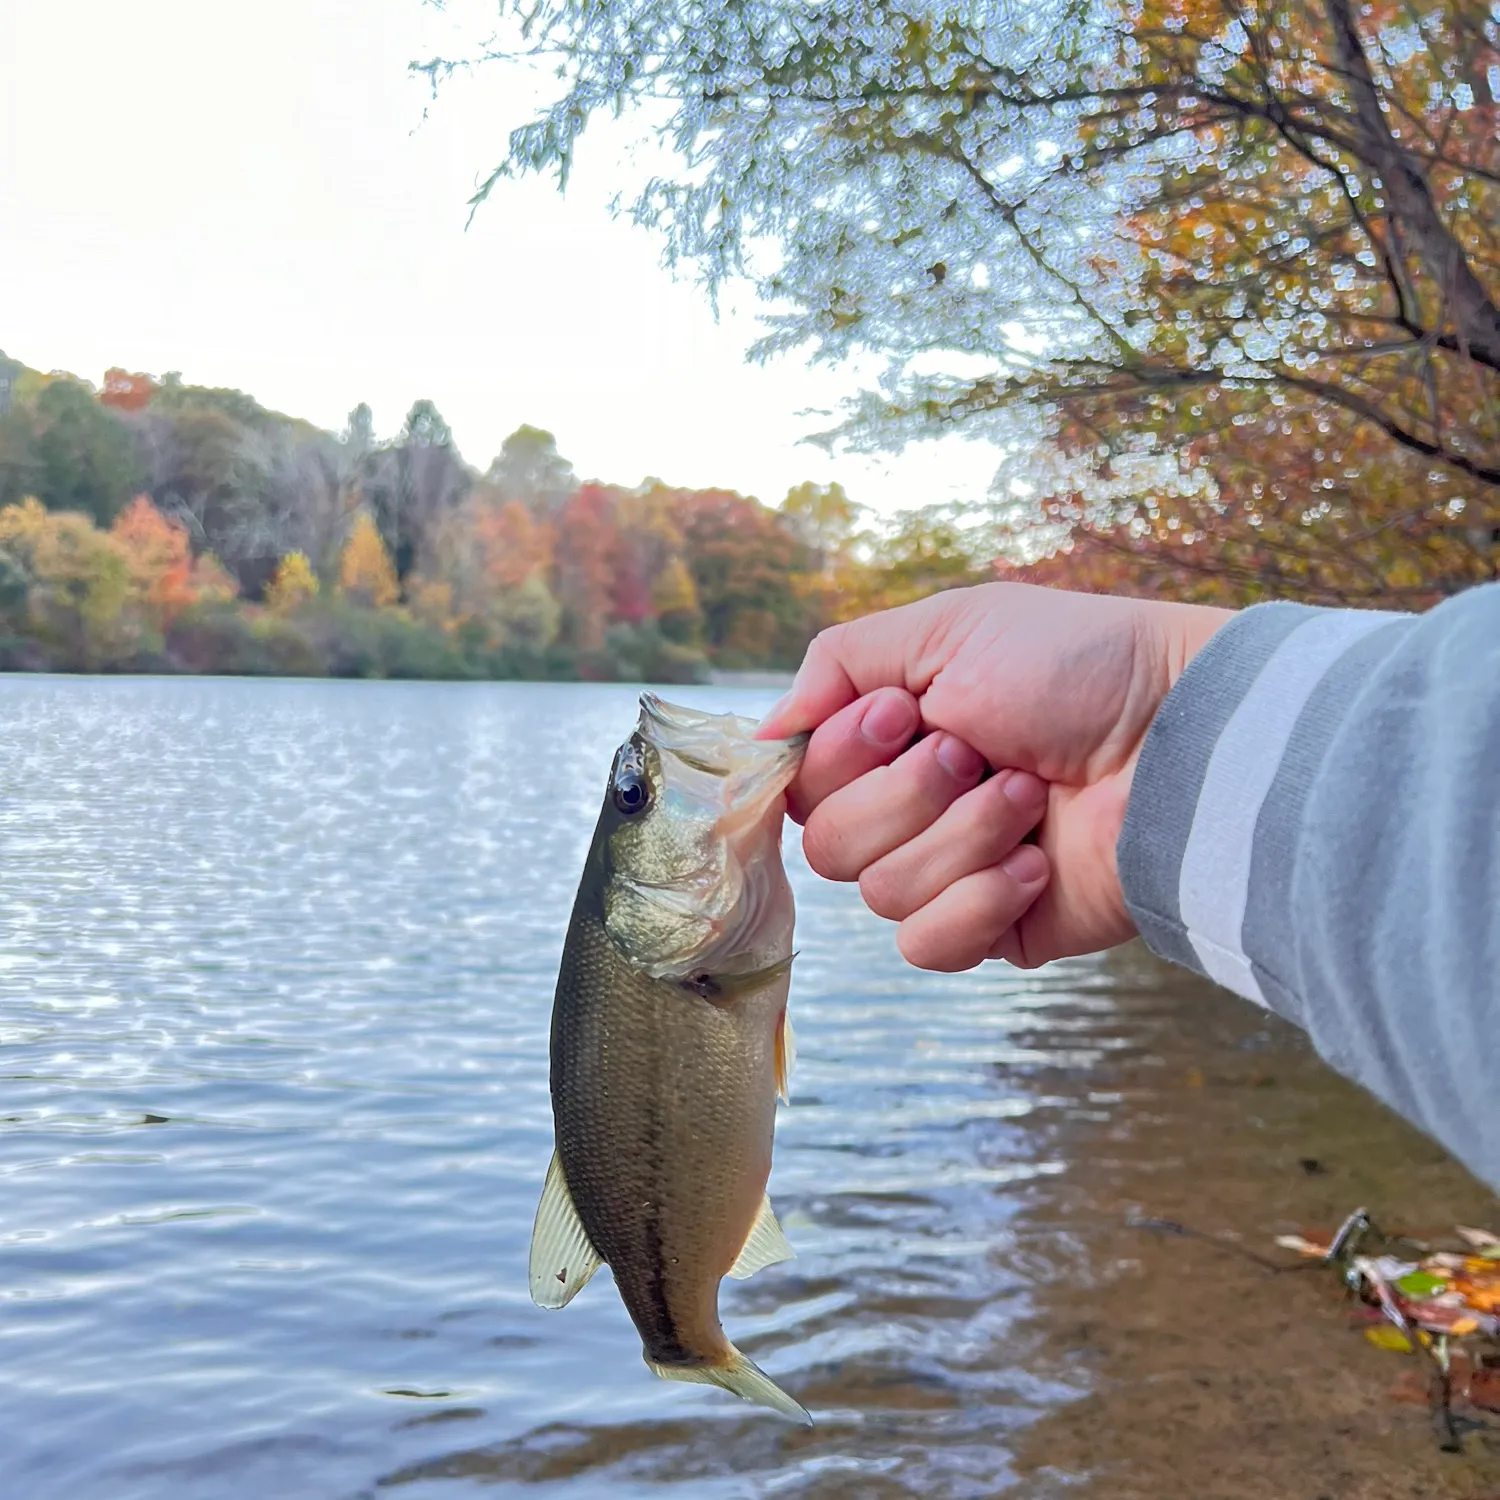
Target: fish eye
x,y
631,793
632,789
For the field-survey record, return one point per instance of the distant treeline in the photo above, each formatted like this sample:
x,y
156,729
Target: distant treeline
x,y
153,525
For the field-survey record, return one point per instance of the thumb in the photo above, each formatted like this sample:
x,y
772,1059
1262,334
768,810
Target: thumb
x,y
893,648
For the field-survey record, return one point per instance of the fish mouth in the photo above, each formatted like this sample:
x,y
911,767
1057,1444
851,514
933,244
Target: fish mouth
x,y
723,746
716,896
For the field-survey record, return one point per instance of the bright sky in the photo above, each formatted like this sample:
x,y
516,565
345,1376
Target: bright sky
x,y
249,194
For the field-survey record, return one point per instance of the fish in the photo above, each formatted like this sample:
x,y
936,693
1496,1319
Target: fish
x,y
670,1043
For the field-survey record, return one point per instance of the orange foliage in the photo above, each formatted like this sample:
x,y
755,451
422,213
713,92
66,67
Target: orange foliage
x,y
127,392
513,544
1312,399
164,574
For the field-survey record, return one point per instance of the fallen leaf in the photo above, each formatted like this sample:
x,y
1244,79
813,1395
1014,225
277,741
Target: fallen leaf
x,y
1442,1318
1304,1245
1479,1284
1479,1238
1445,1260
1387,1337
1420,1284
1484,1389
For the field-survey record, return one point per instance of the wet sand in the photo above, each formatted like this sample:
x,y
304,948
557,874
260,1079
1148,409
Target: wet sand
x,y
1208,1376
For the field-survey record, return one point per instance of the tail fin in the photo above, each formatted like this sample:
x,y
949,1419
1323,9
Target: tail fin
x,y
741,1376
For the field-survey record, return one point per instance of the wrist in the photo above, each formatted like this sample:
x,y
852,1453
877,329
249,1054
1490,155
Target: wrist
x,y
1187,629
1177,633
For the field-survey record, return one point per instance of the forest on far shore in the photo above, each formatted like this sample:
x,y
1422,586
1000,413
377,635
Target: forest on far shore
x,y
152,525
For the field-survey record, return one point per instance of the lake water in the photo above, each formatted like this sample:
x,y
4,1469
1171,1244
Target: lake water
x,y
276,963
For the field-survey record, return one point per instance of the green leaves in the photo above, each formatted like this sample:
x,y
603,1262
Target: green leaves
x,y
1420,1284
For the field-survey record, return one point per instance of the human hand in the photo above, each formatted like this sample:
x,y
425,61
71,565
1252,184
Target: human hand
x,y
1054,690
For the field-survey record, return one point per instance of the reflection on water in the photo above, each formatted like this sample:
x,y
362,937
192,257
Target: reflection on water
x,y
275,968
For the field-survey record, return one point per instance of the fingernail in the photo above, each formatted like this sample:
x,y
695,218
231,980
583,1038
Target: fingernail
x,y
890,720
959,759
774,712
1026,791
1025,864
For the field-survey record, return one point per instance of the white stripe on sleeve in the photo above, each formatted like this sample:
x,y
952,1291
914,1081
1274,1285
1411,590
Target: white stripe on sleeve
x,y
1214,883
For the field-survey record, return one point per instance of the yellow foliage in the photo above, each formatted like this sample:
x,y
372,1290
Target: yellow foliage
x,y
673,591
294,584
211,581
431,602
81,579
21,524
365,570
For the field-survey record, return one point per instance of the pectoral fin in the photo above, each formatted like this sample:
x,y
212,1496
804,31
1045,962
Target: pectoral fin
x,y
786,1057
765,1245
562,1256
722,987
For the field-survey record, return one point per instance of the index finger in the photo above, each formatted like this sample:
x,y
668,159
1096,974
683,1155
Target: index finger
x,y
844,662
870,732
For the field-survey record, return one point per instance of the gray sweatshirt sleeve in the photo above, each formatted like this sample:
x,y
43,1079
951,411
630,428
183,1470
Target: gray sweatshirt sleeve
x,y
1315,824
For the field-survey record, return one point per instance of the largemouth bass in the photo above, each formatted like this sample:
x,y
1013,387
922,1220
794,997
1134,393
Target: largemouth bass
x,y
670,1042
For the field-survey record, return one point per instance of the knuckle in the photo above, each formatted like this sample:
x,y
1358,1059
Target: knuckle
x,y
825,644
997,824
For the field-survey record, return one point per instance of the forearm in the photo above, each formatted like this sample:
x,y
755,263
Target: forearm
x,y
1315,823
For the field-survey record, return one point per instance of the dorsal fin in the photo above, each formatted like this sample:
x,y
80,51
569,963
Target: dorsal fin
x,y
765,1245
562,1256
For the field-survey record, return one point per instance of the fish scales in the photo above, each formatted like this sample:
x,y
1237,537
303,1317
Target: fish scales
x,y
664,1102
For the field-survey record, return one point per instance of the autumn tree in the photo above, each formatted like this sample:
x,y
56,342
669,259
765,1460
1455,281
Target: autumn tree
x,y
827,523
674,600
196,472
585,556
294,490
513,543
125,391
165,577
159,556
649,538
483,575
1222,280
293,585
529,468
78,579
916,553
410,485
366,574
69,452
744,561
825,519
